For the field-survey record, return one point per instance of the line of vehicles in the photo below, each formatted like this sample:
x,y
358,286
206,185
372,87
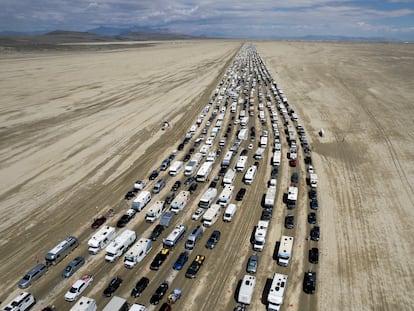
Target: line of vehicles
x,y
212,206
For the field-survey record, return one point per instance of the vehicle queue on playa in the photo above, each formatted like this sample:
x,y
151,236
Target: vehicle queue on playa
x,y
244,78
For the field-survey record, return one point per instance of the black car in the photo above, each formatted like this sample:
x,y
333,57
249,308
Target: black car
x,y
290,221
213,239
159,259
124,220
309,282
294,178
222,171
191,151
240,194
192,270
193,187
213,184
256,163
266,214
275,172
243,152
112,286
130,194
156,232
313,194
308,160
314,233
154,174
312,218
176,186
170,197
314,204
187,157
189,180
139,287
159,293
180,146
314,255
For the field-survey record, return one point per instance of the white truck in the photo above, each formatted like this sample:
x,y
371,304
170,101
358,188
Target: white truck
x,y
175,168
85,304
137,253
246,289
207,198
225,195
192,165
211,215
180,201
313,179
285,250
260,235
78,287
270,196
121,243
155,211
277,292
229,177
241,163
101,239
141,200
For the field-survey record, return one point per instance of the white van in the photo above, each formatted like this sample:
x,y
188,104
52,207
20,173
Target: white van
x,y
229,212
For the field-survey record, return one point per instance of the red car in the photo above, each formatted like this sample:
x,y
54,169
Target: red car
x,y
98,222
292,162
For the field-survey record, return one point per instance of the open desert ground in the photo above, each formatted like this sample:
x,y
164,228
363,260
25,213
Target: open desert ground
x,y
78,128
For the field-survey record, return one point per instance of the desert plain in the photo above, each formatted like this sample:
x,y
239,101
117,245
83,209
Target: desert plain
x,y
79,127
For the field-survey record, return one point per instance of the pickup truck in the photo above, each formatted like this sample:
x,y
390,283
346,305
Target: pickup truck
x,y
78,287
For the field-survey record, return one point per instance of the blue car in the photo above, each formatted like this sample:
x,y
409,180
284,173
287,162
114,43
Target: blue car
x,y
181,260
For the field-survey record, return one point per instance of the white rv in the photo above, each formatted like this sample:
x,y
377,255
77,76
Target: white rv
x,y
277,155
259,153
250,175
116,304
241,163
292,197
204,171
270,197
260,235
137,252
229,177
155,211
208,198
85,304
24,301
175,236
243,134
285,250
101,239
192,165
175,168
211,215
247,289
141,200
225,195
231,209
277,292
263,142
180,201
227,158
119,245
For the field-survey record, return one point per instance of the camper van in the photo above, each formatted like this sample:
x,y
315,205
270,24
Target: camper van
x,y
246,289
101,239
24,301
208,198
119,245
155,211
61,250
229,212
137,252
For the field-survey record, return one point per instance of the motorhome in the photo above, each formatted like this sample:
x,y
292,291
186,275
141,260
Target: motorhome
x,y
263,142
155,211
211,215
180,201
250,175
231,209
229,177
117,304
243,134
137,252
61,250
204,171
208,198
241,163
101,239
141,200
260,235
292,197
227,159
225,195
175,236
85,304
121,243
277,292
269,200
285,250
277,155
176,168
24,301
246,289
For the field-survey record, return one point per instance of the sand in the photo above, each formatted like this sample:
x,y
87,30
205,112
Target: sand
x,y
78,128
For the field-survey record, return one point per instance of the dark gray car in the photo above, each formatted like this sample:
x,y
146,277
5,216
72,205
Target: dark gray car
x,y
73,266
252,264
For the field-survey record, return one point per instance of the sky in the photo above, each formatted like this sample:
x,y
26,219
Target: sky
x,y
391,19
